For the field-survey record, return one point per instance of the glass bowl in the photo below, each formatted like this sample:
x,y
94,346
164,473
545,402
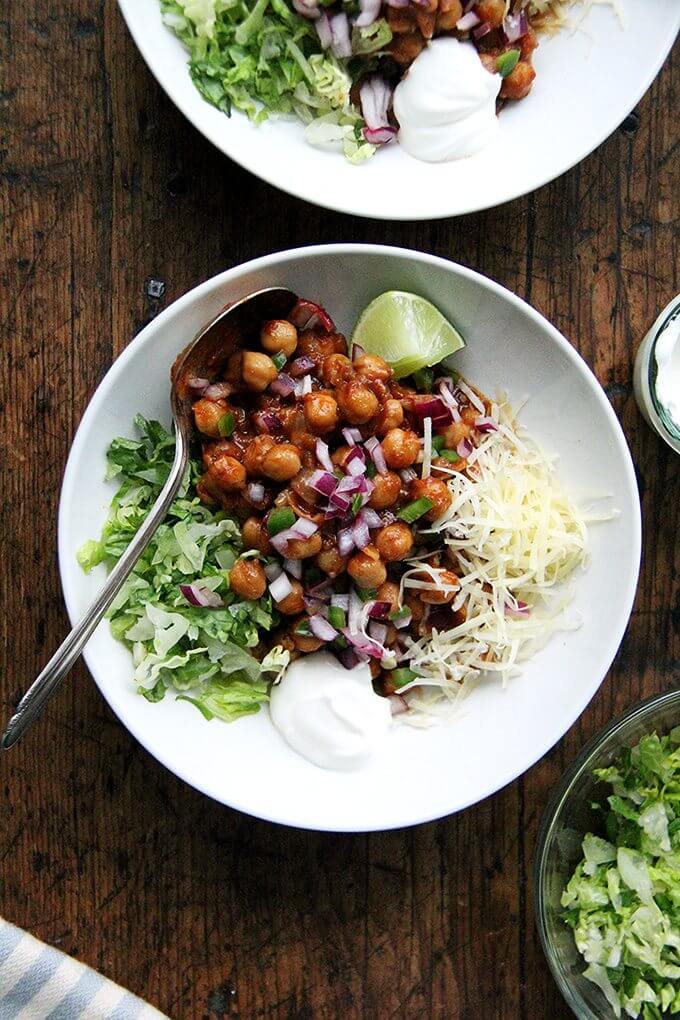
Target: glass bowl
x,y
558,848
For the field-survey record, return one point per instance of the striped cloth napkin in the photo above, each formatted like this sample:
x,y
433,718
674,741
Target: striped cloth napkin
x,y
38,982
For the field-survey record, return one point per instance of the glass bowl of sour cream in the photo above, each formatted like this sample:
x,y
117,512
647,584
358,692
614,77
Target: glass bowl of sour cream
x,y
656,377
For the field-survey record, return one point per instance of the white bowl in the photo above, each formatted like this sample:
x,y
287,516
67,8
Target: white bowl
x,y
420,775
587,81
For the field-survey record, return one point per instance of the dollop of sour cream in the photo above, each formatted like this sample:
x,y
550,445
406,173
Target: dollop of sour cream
x,y
328,714
667,356
446,104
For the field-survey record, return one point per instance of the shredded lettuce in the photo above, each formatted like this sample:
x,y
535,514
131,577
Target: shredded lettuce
x,y
204,653
623,899
262,58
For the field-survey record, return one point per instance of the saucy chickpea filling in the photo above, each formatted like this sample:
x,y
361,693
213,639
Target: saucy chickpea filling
x,y
336,472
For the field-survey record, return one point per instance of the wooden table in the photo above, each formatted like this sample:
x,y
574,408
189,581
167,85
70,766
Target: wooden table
x,y
206,912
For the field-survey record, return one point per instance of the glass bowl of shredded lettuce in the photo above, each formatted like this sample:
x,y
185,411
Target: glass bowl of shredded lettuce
x,y
607,870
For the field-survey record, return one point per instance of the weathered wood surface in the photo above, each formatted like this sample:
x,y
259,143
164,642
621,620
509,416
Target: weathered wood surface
x,y
206,912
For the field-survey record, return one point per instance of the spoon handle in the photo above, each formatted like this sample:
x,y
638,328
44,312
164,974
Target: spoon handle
x,y
44,686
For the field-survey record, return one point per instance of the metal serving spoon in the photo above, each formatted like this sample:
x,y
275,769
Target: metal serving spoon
x,y
204,358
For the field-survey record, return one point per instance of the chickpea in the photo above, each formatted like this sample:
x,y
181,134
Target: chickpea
x,y
491,11
518,83
255,535
208,414
247,579
434,489
282,462
454,433
357,403
449,14
258,371
389,592
405,48
305,642
330,561
391,417
366,568
386,489
336,369
401,448
339,456
303,548
203,491
279,335
394,542
293,603
321,412
372,367
413,601
318,347
439,596
228,473
256,451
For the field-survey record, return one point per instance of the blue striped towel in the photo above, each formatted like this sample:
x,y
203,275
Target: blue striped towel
x,y
38,982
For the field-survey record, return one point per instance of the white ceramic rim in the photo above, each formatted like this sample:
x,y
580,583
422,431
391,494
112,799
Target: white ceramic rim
x,y
350,201
609,648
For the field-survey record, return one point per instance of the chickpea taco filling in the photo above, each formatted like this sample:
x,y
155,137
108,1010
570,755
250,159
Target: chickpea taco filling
x,y
408,527
431,74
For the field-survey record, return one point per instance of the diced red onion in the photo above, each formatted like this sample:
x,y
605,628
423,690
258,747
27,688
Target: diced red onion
x,y
197,386
360,533
375,94
293,567
403,622
308,315
340,601
306,386
486,425
374,447
398,704
398,3
350,483
363,644
378,631
354,612
280,588
370,9
520,609
323,482
322,628
323,30
306,8
515,26
280,541
272,570
464,448
355,462
200,595
480,31
256,492
352,436
447,396
345,541
386,517
267,422
357,352
373,519
323,455
467,22
472,397
348,657
217,391
407,475
303,528
283,385
379,610
301,366
320,590
314,606
341,500
341,44
434,408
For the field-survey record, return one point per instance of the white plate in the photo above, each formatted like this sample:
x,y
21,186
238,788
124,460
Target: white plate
x,y
420,775
587,81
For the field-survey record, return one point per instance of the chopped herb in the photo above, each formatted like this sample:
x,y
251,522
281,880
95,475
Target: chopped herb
x,y
507,62
313,574
357,503
303,629
280,519
279,360
400,614
449,455
437,443
403,676
226,425
367,594
337,617
412,511
370,470
424,379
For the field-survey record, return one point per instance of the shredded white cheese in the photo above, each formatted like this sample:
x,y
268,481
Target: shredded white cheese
x,y
513,537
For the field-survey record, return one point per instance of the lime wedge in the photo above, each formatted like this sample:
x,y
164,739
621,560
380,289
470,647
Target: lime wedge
x,y
407,331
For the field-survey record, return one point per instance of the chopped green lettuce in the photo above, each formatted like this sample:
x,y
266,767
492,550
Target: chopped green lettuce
x,y
261,57
623,899
201,652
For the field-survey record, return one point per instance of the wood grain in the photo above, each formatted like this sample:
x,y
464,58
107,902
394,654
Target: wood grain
x,y
208,913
